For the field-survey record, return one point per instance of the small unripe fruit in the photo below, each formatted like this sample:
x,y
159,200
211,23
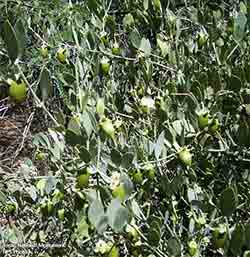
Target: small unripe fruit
x,y
116,49
49,207
40,156
17,92
203,120
104,40
137,176
185,156
202,39
214,125
60,214
119,192
83,179
108,127
9,208
132,232
58,196
149,171
219,236
192,248
105,66
61,55
44,52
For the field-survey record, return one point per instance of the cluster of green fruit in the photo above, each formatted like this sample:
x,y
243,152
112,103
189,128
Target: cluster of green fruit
x,y
204,121
62,57
147,171
48,206
61,54
219,237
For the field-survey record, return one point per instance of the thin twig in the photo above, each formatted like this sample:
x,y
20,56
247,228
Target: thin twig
x,y
40,103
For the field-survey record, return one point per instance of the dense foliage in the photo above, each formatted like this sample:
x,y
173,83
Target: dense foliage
x,y
148,154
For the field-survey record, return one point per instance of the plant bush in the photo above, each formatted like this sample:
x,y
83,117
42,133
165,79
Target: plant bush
x,y
149,154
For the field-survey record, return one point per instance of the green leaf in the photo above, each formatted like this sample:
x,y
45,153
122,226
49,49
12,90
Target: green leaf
x,y
84,97
159,145
243,8
87,122
117,215
41,184
127,160
136,209
127,183
85,155
45,86
82,230
11,236
164,47
20,33
154,237
234,83
75,126
10,40
237,240
145,5
191,195
72,139
145,46
128,20
228,202
116,157
240,22
92,5
157,4
97,217
100,106
247,234
69,78
135,38
174,247
50,184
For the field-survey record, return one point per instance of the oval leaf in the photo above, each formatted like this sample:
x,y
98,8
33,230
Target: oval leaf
x,y
10,40
228,202
45,85
117,215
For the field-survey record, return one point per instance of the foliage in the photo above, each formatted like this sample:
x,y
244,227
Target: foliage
x,y
135,78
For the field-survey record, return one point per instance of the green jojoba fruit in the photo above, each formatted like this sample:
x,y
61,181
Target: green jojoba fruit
x,y
17,92
185,156
192,248
219,236
105,66
203,120
116,49
83,179
108,127
61,55
119,192
214,125
44,52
